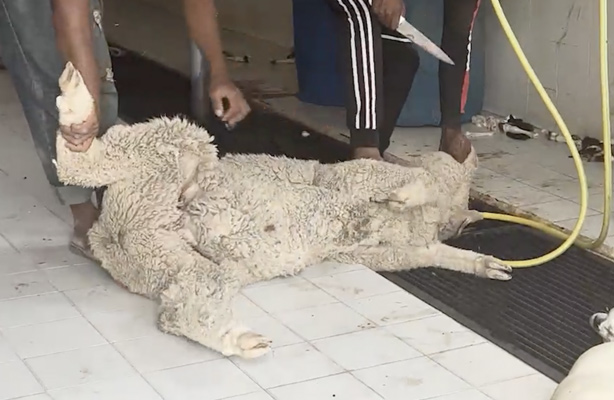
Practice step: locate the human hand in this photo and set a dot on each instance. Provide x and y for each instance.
(389, 12)
(223, 88)
(79, 137)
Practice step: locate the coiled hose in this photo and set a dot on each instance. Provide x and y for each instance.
(569, 240)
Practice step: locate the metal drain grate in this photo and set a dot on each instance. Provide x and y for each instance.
(541, 315)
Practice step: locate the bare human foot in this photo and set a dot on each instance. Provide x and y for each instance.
(455, 143)
(371, 153)
(84, 216)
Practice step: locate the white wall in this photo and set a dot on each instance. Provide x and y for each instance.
(156, 28)
(560, 39)
(269, 20)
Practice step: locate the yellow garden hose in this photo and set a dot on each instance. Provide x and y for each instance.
(605, 106)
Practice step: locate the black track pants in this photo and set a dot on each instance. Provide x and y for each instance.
(379, 67)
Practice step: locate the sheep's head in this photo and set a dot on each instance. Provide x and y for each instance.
(453, 176)
(443, 165)
(603, 324)
(173, 148)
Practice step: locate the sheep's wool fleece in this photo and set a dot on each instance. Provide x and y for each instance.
(190, 230)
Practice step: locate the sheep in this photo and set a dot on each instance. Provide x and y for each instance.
(183, 227)
(592, 376)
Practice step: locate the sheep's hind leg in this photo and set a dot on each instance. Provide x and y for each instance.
(199, 306)
(383, 258)
(75, 102)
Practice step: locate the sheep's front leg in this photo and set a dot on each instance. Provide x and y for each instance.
(198, 305)
(386, 258)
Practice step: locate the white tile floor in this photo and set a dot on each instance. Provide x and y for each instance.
(67, 332)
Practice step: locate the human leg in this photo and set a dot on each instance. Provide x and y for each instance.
(29, 51)
(401, 62)
(361, 62)
(459, 18)
(86, 213)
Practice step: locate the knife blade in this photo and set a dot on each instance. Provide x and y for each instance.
(419, 39)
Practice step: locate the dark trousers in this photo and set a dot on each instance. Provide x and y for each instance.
(379, 67)
(30, 54)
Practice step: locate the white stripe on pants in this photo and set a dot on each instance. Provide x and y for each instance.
(362, 54)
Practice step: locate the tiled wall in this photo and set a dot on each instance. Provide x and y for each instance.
(560, 39)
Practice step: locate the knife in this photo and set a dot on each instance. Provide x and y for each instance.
(409, 31)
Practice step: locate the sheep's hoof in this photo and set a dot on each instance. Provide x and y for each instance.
(246, 344)
(253, 345)
(70, 78)
(470, 217)
(490, 267)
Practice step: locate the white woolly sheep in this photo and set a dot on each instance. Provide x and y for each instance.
(183, 227)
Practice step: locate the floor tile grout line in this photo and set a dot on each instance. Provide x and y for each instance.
(7, 299)
(490, 383)
(25, 364)
(55, 353)
(420, 319)
(536, 373)
(526, 206)
(232, 360)
(65, 266)
(365, 383)
(345, 372)
(44, 271)
(104, 380)
(107, 343)
(294, 309)
(55, 320)
(399, 289)
(276, 317)
(218, 357)
(534, 186)
(337, 335)
(288, 328)
(455, 393)
(38, 201)
(280, 280)
(9, 242)
(42, 323)
(252, 303)
(113, 346)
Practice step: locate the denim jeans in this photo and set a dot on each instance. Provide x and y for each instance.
(29, 52)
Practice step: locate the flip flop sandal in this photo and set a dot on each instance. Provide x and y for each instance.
(82, 250)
